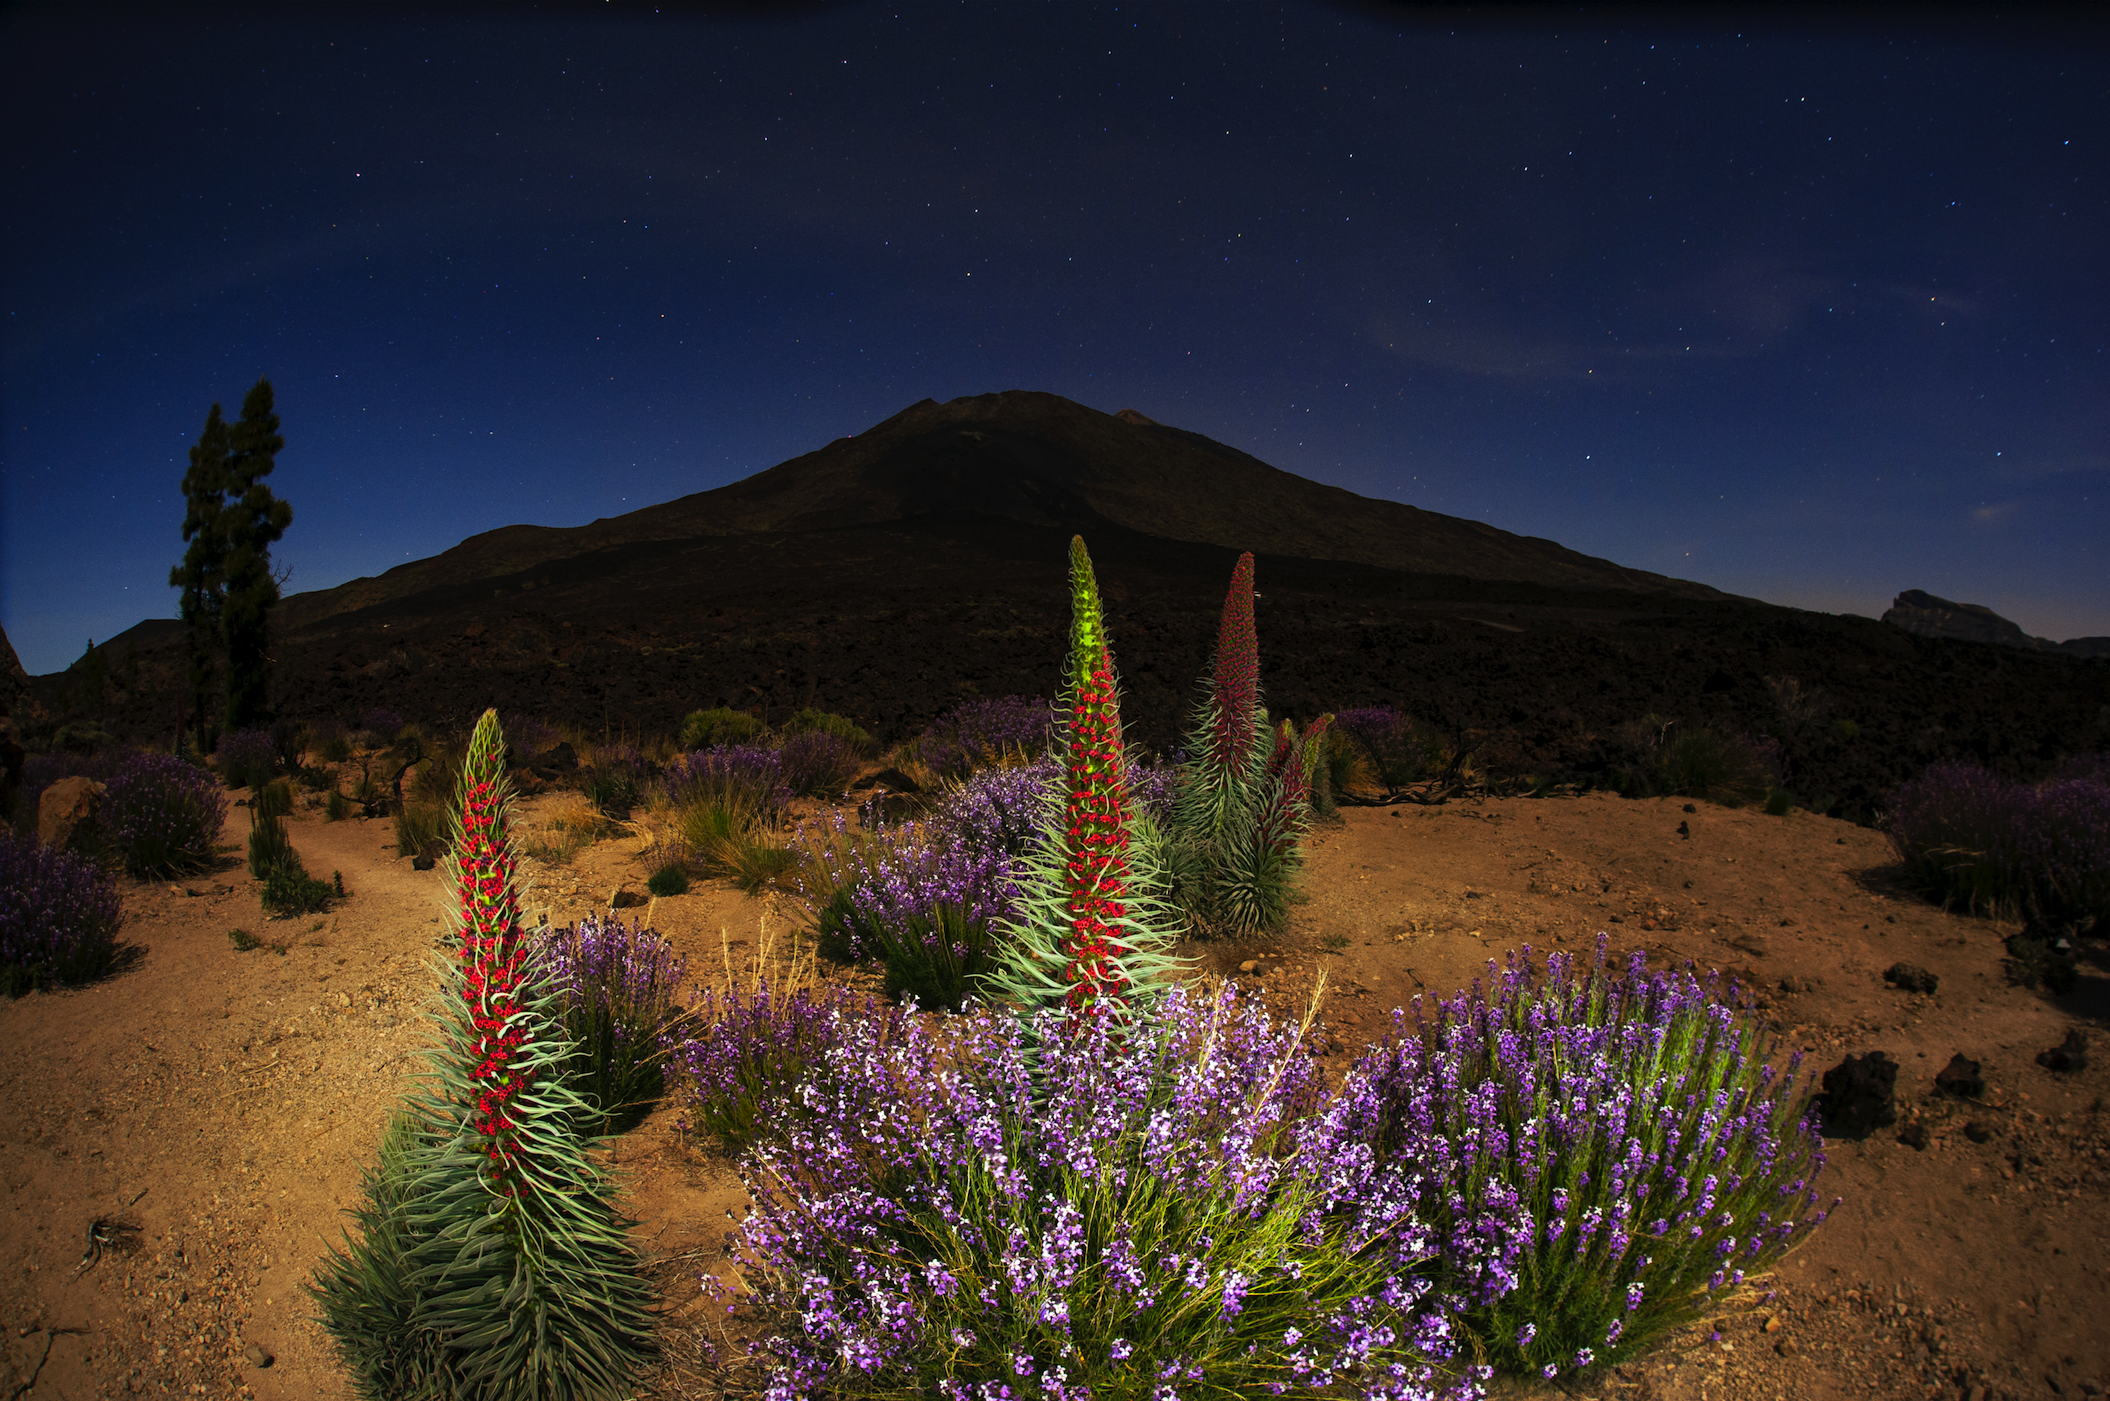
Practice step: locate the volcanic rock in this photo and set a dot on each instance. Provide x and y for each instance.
(1961, 1078)
(1858, 1096)
(1910, 977)
(67, 814)
(2068, 1056)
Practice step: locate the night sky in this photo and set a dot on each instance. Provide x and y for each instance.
(1811, 312)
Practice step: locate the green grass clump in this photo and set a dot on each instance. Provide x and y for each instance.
(846, 730)
(669, 879)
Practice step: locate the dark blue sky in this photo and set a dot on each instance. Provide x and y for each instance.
(1806, 311)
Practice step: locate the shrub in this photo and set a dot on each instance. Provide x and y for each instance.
(1779, 803)
(1701, 763)
(289, 890)
(422, 831)
(1385, 746)
(730, 843)
(1088, 1207)
(747, 1050)
(744, 778)
(164, 816)
(1236, 839)
(709, 729)
(848, 731)
(490, 1261)
(337, 807)
(613, 778)
(381, 725)
(818, 763)
(1600, 1154)
(615, 998)
(59, 916)
(984, 734)
(269, 846)
(528, 737)
(669, 879)
(334, 744)
(247, 758)
(1989, 843)
(1000, 809)
(289, 743)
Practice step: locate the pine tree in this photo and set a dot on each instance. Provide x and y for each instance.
(255, 521)
(202, 576)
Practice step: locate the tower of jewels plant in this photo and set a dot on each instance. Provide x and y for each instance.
(490, 1262)
(1238, 824)
(1092, 930)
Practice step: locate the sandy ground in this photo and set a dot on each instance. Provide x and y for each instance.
(213, 1108)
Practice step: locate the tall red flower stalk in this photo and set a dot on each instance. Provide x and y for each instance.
(492, 954)
(1093, 930)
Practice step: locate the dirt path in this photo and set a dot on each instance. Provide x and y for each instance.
(221, 1104)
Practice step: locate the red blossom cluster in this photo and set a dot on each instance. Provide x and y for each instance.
(1096, 856)
(1237, 679)
(1282, 824)
(492, 953)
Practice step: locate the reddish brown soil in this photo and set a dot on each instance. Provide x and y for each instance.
(222, 1103)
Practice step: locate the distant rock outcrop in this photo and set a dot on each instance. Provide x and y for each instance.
(1916, 610)
(14, 681)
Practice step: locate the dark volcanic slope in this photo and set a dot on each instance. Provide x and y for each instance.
(1026, 458)
(891, 576)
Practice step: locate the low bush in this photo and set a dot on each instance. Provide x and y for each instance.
(744, 778)
(614, 778)
(614, 987)
(332, 742)
(381, 726)
(669, 879)
(423, 831)
(1989, 843)
(1101, 1210)
(1698, 762)
(247, 758)
(819, 763)
(289, 890)
(336, 807)
(848, 731)
(710, 729)
(731, 843)
(1382, 746)
(164, 816)
(1601, 1152)
(984, 734)
(59, 916)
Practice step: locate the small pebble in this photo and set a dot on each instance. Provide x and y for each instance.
(257, 1356)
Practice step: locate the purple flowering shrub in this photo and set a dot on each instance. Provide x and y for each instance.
(984, 734)
(819, 762)
(248, 758)
(1990, 843)
(1040, 1211)
(914, 896)
(739, 1055)
(745, 778)
(615, 997)
(528, 736)
(1598, 1154)
(163, 815)
(59, 916)
(1393, 751)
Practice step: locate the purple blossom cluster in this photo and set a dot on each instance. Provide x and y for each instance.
(897, 878)
(994, 1208)
(163, 815)
(1597, 1152)
(983, 733)
(615, 985)
(1995, 843)
(59, 915)
(248, 758)
(818, 762)
(740, 1056)
(528, 736)
(741, 777)
(1001, 809)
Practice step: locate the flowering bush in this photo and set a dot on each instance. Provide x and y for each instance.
(59, 916)
(1083, 1207)
(615, 998)
(490, 1261)
(817, 762)
(984, 734)
(746, 778)
(742, 1054)
(163, 815)
(1391, 749)
(248, 758)
(1598, 1153)
(1987, 842)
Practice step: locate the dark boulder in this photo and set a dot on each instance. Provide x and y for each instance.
(1960, 1078)
(1910, 977)
(1858, 1097)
